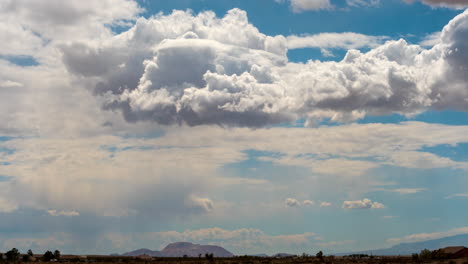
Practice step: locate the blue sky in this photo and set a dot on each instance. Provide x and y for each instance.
(262, 126)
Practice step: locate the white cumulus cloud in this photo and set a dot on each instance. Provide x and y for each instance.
(362, 204)
(194, 73)
(291, 202)
(308, 203)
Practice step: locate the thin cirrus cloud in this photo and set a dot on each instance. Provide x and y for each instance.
(362, 3)
(429, 236)
(246, 80)
(459, 4)
(299, 6)
(408, 190)
(63, 213)
(457, 195)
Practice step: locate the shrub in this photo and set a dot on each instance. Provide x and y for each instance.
(13, 255)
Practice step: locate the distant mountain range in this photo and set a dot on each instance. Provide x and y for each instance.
(180, 249)
(416, 247)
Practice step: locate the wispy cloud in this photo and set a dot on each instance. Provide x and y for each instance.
(408, 190)
(347, 40)
(458, 4)
(457, 195)
(63, 213)
(428, 236)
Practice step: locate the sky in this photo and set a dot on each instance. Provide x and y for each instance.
(262, 126)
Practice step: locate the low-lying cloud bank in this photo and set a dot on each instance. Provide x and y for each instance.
(191, 69)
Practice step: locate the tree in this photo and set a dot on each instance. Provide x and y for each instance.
(425, 254)
(57, 254)
(319, 255)
(30, 253)
(13, 255)
(209, 256)
(48, 256)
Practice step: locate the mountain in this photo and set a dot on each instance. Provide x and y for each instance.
(143, 251)
(180, 249)
(193, 250)
(416, 247)
(283, 255)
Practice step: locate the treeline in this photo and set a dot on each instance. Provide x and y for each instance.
(426, 254)
(14, 255)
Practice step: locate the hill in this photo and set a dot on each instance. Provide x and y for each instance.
(180, 249)
(416, 247)
(143, 251)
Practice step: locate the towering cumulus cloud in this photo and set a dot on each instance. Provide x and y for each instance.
(191, 69)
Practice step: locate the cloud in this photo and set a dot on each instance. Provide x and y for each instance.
(408, 190)
(309, 5)
(325, 204)
(242, 79)
(204, 204)
(136, 175)
(459, 4)
(63, 213)
(291, 202)
(7, 206)
(429, 236)
(133, 181)
(389, 217)
(332, 244)
(56, 19)
(346, 40)
(38, 244)
(198, 75)
(362, 204)
(362, 3)
(10, 84)
(431, 40)
(457, 195)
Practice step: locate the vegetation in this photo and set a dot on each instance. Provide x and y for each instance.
(425, 256)
(13, 255)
